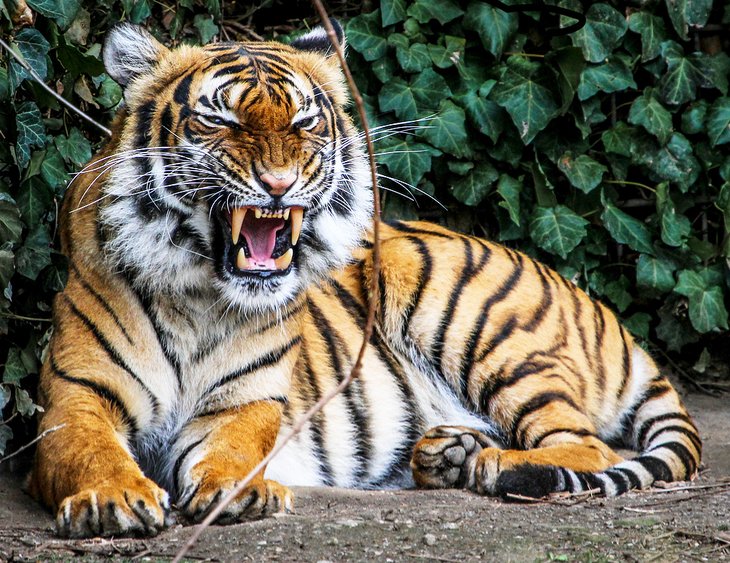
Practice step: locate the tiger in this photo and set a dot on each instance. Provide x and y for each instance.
(221, 257)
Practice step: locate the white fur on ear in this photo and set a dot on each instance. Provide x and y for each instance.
(318, 41)
(130, 51)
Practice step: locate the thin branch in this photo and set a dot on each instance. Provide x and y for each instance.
(50, 90)
(372, 304)
(29, 444)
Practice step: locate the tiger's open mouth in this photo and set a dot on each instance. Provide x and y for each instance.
(263, 240)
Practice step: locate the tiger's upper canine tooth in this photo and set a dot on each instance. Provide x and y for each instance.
(297, 213)
(283, 261)
(257, 211)
(241, 260)
(237, 216)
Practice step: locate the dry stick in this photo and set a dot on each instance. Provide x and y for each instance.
(372, 306)
(29, 444)
(50, 90)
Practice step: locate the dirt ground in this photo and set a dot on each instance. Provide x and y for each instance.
(691, 523)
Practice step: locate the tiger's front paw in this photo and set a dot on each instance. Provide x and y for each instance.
(129, 506)
(260, 498)
(446, 456)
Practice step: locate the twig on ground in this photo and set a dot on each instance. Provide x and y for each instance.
(33, 441)
(51, 91)
(561, 499)
(372, 304)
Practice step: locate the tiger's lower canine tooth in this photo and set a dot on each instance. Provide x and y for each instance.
(241, 260)
(297, 213)
(283, 261)
(237, 216)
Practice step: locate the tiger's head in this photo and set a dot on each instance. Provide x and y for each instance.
(236, 167)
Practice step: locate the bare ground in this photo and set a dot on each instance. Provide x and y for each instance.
(689, 523)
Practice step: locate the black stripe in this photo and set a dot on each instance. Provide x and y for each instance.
(546, 300)
(423, 279)
(268, 359)
(657, 467)
(316, 423)
(535, 443)
(680, 450)
(112, 352)
(504, 333)
(625, 364)
(103, 392)
(358, 415)
(634, 480)
(599, 335)
(654, 392)
(182, 90)
(566, 476)
(178, 464)
(405, 228)
(536, 403)
(690, 433)
(619, 479)
(103, 302)
(649, 422)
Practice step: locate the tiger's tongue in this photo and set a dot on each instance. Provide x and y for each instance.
(260, 235)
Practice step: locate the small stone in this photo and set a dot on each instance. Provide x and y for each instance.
(429, 539)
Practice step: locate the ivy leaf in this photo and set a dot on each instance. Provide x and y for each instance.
(605, 27)
(447, 131)
(75, 148)
(414, 58)
(34, 200)
(110, 93)
(494, 26)
(638, 324)
(7, 266)
(408, 162)
(675, 229)
(14, 370)
(445, 56)
(583, 172)
(35, 253)
(23, 403)
(475, 186)
(684, 74)
(487, 116)
(706, 303)
(10, 224)
(398, 96)
(63, 12)
(683, 13)
(441, 10)
(429, 87)
(625, 229)
(676, 162)
(619, 139)
(611, 76)
(617, 292)
(652, 31)
(510, 189)
(718, 122)
(557, 229)
(206, 27)
(31, 131)
(34, 48)
(673, 331)
(693, 118)
(392, 11)
(652, 116)
(53, 170)
(655, 273)
(529, 103)
(363, 34)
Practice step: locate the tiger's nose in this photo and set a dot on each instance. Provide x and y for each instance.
(278, 184)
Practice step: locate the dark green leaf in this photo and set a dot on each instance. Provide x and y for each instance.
(674, 331)
(530, 104)
(605, 27)
(110, 93)
(583, 172)
(407, 162)
(392, 11)
(35, 253)
(619, 139)
(75, 148)
(557, 229)
(364, 35)
(693, 118)
(441, 10)
(718, 122)
(14, 370)
(10, 224)
(414, 58)
(487, 116)
(206, 28)
(398, 96)
(683, 13)
(448, 55)
(652, 116)
(447, 131)
(626, 229)
(609, 77)
(510, 190)
(34, 48)
(707, 310)
(655, 273)
(675, 227)
(429, 88)
(7, 266)
(652, 31)
(53, 170)
(494, 26)
(62, 11)
(34, 199)
(638, 324)
(31, 132)
(476, 185)
(676, 162)
(23, 403)
(617, 292)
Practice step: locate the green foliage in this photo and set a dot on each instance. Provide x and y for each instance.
(603, 153)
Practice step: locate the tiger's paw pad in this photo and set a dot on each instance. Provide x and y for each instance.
(445, 457)
(259, 499)
(136, 507)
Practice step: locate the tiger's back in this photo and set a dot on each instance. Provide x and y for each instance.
(220, 266)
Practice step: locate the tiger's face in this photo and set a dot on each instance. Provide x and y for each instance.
(237, 167)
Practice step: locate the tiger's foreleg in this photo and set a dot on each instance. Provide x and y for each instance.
(85, 473)
(219, 450)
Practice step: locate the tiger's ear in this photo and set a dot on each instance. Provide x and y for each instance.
(318, 41)
(130, 51)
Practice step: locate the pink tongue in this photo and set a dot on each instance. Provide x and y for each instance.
(260, 237)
